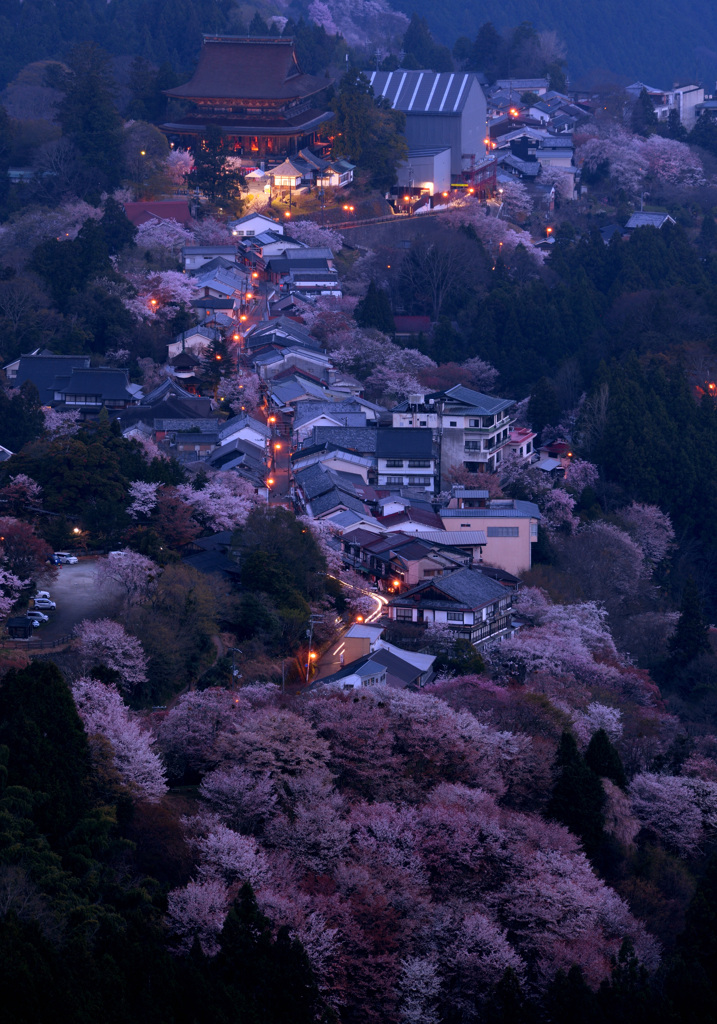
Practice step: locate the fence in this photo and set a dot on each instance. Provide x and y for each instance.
(33, 644)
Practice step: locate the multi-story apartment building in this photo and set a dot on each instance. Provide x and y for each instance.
(472, 430)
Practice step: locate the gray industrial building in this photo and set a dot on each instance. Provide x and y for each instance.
(443, 109)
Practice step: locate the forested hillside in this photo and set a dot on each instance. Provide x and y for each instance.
(637, 39)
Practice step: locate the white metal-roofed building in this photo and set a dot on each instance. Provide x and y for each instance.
(443, 109)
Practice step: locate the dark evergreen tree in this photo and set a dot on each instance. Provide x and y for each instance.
(627, 998)
(704, 134)
(707, 238)
(643, 119)
(570, 999)
(257, 26)
(691, 634)
(602, 757)
(374, 310)
(690, 985)
(87, 111)
(543, 407)
(117, 228)
(220, 182)
(421, 49)
(675, 128)
(366, 130)
(49, 753)
(578, 798)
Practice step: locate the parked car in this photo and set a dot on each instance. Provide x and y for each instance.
(65, 558)
(53, 560)
(45, 603)
(42, 593)
(37, 615)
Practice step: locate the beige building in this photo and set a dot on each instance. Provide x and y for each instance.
(510, 526)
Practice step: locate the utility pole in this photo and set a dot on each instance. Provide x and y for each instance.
(313, 619)
(235, 650)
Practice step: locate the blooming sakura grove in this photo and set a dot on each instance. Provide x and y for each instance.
(303, 801)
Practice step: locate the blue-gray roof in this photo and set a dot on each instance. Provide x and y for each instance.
(517, 510)
(484, 405)
(404, 442)
(423, 92)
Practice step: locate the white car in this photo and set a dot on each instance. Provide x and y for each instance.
(38, 616)
(65, 558)
(42, 593)
(45, 603)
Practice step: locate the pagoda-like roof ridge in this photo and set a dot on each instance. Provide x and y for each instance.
(248, 68)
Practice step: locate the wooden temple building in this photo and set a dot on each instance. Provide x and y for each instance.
(254, 90)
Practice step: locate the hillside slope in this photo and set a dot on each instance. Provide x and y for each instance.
(655, 41)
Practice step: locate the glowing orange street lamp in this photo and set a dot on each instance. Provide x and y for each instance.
(255, 275)
(243, 316)
(270, 481)
(277, 447)
(286, 213)
(153, 302)
(217, 356)
(359, 618)
(548, 232)
(313, 655)
(249, 295)
(406, 199)
(236, 337)
(272, 419)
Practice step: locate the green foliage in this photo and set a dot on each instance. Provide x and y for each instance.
(21, 418)
(366, 130)
(259, 977)
(421, 49)
(87, 111)
(643, 119)
(374, 310)
(220, 182)
(462, 660)
(49, 754)
(578, 798)
(543, 408)
(603, 758)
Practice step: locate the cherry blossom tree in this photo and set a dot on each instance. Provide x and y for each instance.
(312, 234)
(179, 163)
(163, 238)
(562, 181)
(131, 572)
(240, 798)
(105, 642)
(517, 201)
(197, 912)
(650, 528)
(210, 231)
(580, 474)
(418, 987)
(144, 498)
(499, 238)
(20, 493)
(633, 160)
(241, 391)
(103, 711)
(479, 374)
(597, 716)
(160, 296)
(188, 735)
(61, 424)
(10, 588)
(397, 374)
(667, 806)
(224, 503)
(230, 856)
(556, 508)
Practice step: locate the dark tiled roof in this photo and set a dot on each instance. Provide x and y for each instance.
(486, 405)
(404, 442)
(353, 439)
(413, 515)
(42, 371)
(467, 587)
(239, 68)
(108, 383)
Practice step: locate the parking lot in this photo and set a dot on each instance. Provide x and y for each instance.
(77, 595)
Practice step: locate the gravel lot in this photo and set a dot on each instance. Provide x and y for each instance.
(78, 597)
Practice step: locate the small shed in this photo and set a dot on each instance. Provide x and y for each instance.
(20, 627)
